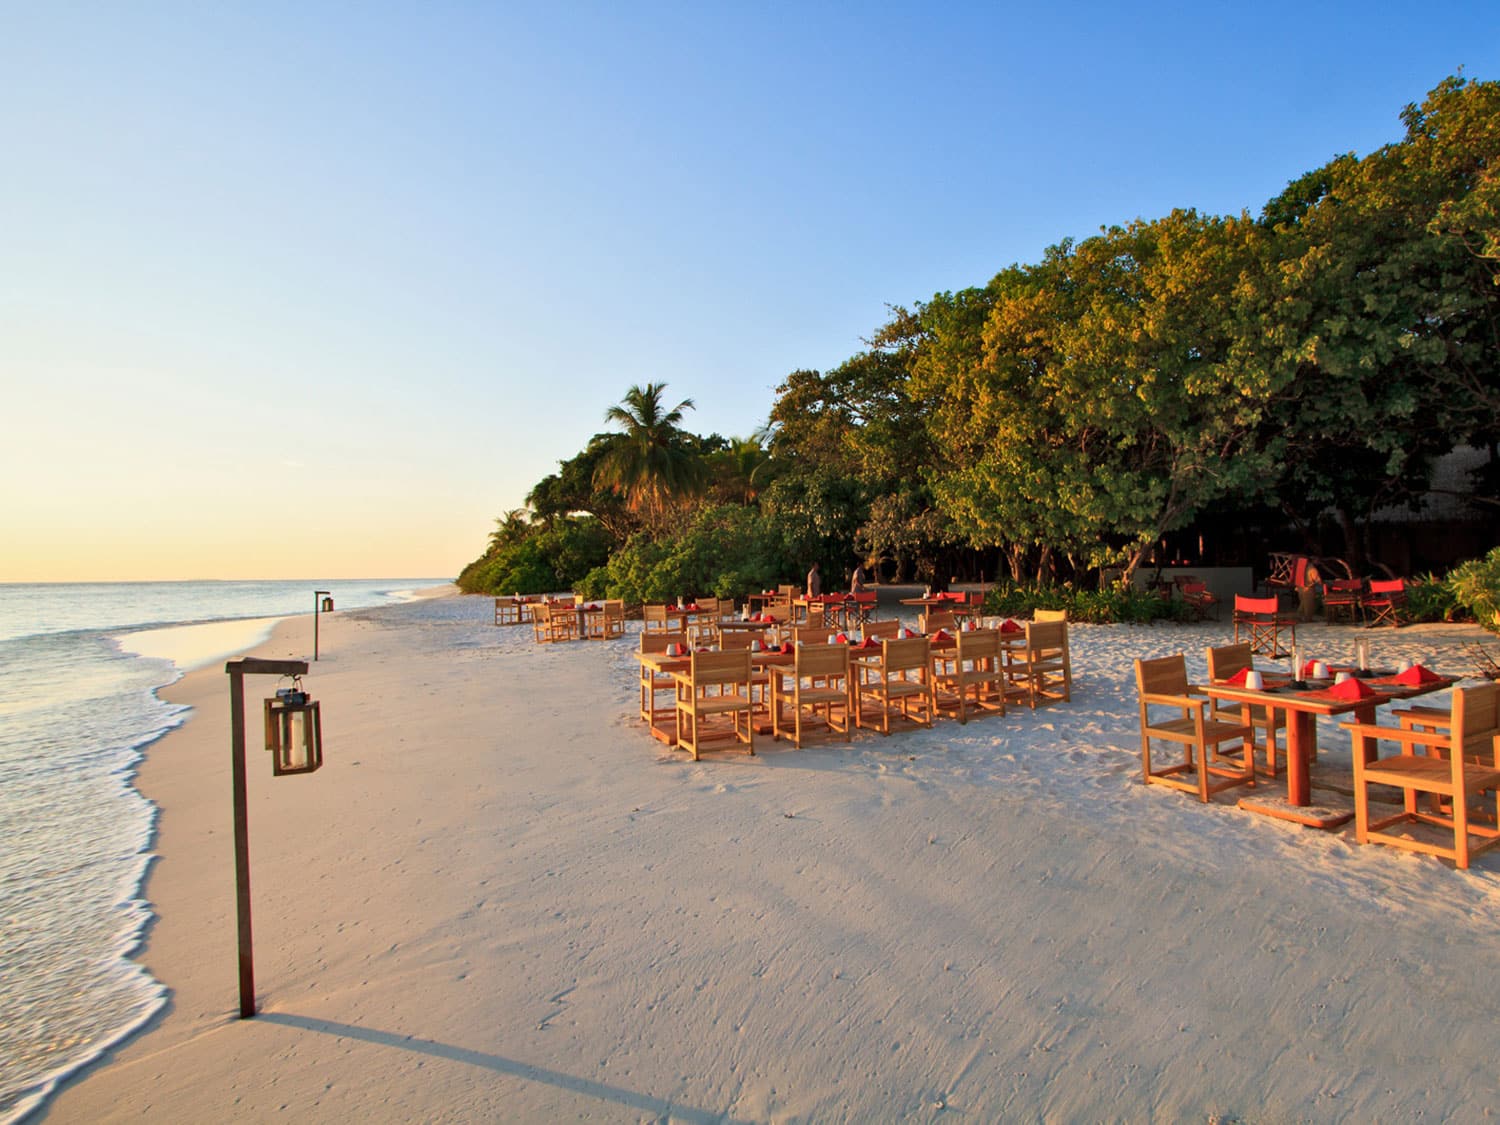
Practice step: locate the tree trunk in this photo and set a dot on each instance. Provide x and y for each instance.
(1354, 549)
(1015, 557)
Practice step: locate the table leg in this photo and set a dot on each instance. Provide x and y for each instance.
(1299, 736)
(1366, 747)
(1297, 805)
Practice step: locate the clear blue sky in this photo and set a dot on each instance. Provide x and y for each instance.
(322, 288)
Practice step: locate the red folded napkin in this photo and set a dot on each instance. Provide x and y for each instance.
(691, 608)
(1009, 626)
(1239, 678)
(941, 635)
(786, 646)
(841, 639)
(868, 642)
(1416, 676)
(1351, 689)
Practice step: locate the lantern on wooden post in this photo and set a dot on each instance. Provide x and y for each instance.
(322, 603)
(294, 731)
(294, 734)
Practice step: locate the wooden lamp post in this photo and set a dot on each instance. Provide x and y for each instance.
(322, 603)
(294, 734)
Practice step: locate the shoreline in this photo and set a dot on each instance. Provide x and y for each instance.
(500, 896)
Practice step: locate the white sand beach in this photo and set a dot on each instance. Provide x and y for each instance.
(500, 899)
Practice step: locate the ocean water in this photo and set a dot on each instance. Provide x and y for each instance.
(79, 668)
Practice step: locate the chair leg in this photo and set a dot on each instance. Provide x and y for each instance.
(1460, 829)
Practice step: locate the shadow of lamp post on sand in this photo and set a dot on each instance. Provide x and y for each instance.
(294, 736)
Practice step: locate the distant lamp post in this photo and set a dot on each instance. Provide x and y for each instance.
(294, 734)
(322, 603)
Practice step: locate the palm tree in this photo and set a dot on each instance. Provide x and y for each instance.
(741, 471)
(648, 462)
(510, 529)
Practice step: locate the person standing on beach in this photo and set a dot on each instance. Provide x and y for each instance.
(814, 582)
(857, 581)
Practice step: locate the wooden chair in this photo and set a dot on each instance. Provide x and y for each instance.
(716, 687)
(541, 622)
(1341, 596)
(898, 682)
(654, 618)
(1199, 600)
(1043, 668)
(818, 684)
(1264, 625)
(1288, 572)
(888, 630)
(817, 616)
(507, 611)
(562, 621)
(653, 685)
(704, 627)
(973, 677)
(935, 619)
(835, 613)
(1163, 683)
(781, 614)
(738, 640)
(1459, 767)
(1384, 603)
(859, 608)
(1224, 662)
(606, 622)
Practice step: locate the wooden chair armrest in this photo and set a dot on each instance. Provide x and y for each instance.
(1183, 701)
(1397, 734)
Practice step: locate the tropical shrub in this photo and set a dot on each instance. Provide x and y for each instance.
(1121, 604)
(1475, 585)
(517, 568)
(1431, 598)
(538, 560)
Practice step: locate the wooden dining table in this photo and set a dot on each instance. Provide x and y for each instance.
(1302, 706)
(933, 602)
(663, 664)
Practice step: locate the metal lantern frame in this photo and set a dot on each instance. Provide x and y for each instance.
(294, 731)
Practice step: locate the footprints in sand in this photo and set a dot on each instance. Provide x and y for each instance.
(561, 1000)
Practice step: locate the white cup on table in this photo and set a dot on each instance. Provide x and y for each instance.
(1319, 670)
(1254, 680)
